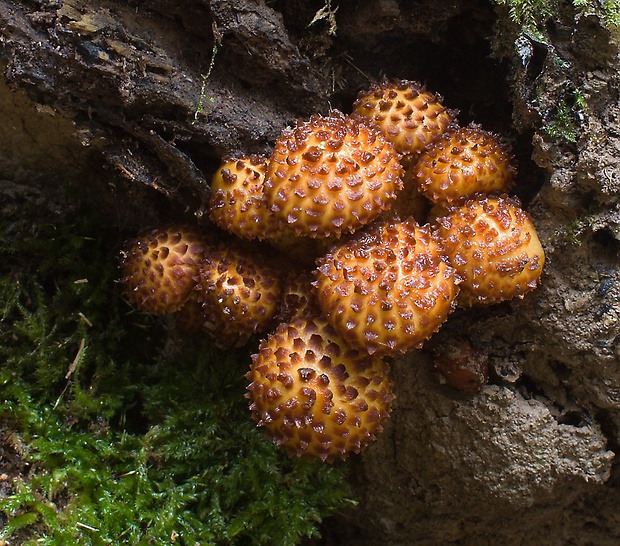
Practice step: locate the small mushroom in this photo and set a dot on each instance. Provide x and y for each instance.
(158, 267)
(408, 114)
(464, 161)
(315, 396)
(239, 292)
(331, 175)
(237, 203)
(493, 245)
(388, 289)
(462, 367)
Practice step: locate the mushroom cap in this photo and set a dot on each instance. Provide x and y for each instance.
(493, 245)
(237, 203)
(408, 114)
(315, 396)
(158, 267)
(388, 289)
(331, 175)
(239, 292)
(461, 366)
(464, 161)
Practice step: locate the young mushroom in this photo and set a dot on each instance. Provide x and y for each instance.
(464, 161)
(158, 267)
(461, 366)
(315, 396)
(493, 245)
(387, 289)
(408, 114)
(237, 203)
(331, 175)
(239, 292)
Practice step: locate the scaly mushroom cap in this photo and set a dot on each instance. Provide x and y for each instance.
(464, 161)
(388, 289)
(239, 293)
(315, 396)
(493, 245)
(158, 267)
(237, 203)
(407, 114)
(331, 175)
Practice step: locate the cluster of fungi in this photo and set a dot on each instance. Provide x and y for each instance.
(352, 243)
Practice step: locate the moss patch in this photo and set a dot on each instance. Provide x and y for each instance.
(130, 433)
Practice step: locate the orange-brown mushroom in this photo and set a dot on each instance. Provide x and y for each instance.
(408, 114)
(237, 203)
(159, 266)
(464, 161)
(388, 289)
(493, 245)
(315, 396)
(331, 175)
(239, 292)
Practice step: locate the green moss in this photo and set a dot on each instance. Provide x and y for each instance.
(562, 126)
(132, 435)
(531, 15)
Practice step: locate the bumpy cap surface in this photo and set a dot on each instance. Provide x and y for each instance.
(158, 267)
(388, 289)
(237, 203)
(464, 161)
(298, 296)
(316, 397)
(239, 292)
(331, 175)
(494, 247)
(408, 115)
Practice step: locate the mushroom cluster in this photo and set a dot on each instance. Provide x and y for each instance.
(389, 218)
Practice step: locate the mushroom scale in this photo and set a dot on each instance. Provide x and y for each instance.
(315, 396)
(331, 175)
(158, 267)
(493, 245)
(387, 289)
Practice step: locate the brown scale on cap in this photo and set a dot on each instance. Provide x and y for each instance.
(331, 175)
(388, 289)
(159, 266)
(298, 296)
(239, 293)
(237, 203)
(315, 396)
(407, 114)
(494, 247)
(464, 161)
